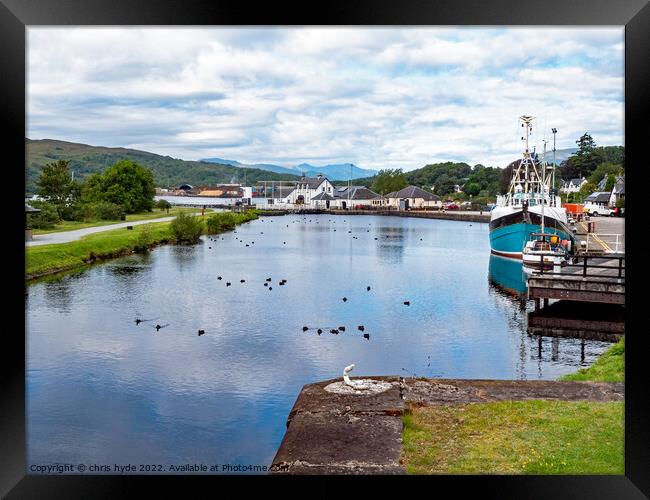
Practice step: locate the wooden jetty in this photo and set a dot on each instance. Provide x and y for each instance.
(593, 277)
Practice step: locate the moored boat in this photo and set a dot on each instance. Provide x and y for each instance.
(529, 207)
(545, 252)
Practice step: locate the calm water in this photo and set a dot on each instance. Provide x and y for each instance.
(103, 390)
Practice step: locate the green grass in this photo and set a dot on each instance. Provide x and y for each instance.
(46, 259)
(58, 257)
(155, 214)
(522, 437)
(515, 437)
(609, 367)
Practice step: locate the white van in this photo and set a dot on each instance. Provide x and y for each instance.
(596, 210)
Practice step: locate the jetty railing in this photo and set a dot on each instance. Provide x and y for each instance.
(584, 268)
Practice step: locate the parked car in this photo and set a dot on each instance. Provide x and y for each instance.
(596, 210)
(452, 206)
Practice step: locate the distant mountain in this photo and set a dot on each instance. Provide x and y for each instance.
(333, 172)
(560, 155)
(168, 172)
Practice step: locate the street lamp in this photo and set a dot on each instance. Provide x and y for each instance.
(554, 130)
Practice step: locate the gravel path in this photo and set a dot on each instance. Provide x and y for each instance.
(67, 236)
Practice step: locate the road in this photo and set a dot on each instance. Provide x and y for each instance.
(606, 231)
(68, 236)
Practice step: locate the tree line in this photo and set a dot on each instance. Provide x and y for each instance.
(482, 183)
(124, 188)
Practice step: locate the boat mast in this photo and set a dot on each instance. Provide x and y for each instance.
(554, 130)
(543, 184)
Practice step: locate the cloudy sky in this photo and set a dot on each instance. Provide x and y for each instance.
(376, 97)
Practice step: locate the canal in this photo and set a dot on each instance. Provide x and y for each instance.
(104, 390)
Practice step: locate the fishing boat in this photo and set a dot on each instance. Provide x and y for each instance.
(530, 205)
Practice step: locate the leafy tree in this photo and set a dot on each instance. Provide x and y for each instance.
(611, 180)
(585, 161)
(586, 145)
(586, 190)
(389, 180)
(126, 183)
(603, 170)
(163, 205)
(445, 185)
(103, 210)
(55, 183)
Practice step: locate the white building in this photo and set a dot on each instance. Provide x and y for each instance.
(357, 197)
(413, 197)
(573, 185)
(309, 187)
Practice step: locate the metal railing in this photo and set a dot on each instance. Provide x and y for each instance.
(585, 267)
(608, 243)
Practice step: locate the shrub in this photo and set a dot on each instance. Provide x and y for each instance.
(145, 238)
(103, 210)
(186, 228)
(222, 221)
(75, 212)
(46, 218)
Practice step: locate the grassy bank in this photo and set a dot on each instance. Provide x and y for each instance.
(609, 367)
(154, 214)
(522, 437)
(516, 437)
(47, 259)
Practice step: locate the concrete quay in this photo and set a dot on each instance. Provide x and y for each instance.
(361, 433)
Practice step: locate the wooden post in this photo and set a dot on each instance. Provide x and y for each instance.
(584, 266)
(545, 302)
(620, 267)
(536, 305)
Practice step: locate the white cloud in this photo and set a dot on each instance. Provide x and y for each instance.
(378, 97)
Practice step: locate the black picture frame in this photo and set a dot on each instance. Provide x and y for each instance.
(15, 15)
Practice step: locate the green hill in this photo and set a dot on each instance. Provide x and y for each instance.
(168, 171)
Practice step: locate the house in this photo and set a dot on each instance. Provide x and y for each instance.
(413, 197)
(573, 185)
(357, 197)
(279, 195)
(618, 191)
(599, 198)
(308, 187)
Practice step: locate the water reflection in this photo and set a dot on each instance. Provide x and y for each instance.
(107, 390)
(508, 275)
